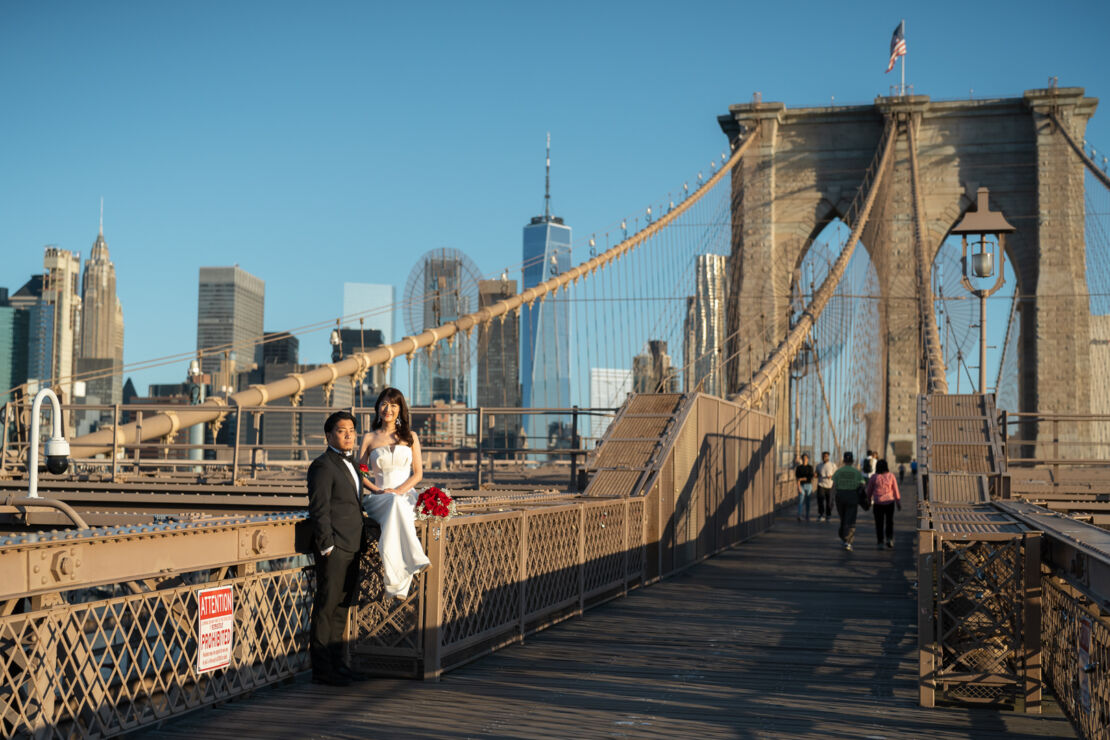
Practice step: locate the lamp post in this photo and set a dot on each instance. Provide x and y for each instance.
(988, 231)
(197, 386)
(57, 449)
(799, 368)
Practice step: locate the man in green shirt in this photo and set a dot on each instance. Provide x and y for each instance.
(847, 481)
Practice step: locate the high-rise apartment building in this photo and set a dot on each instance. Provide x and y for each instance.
(100, 357)
(499, 366)
(545, 325)
(704, 328)
(230, 305)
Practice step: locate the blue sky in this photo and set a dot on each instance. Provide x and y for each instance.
(319, 143)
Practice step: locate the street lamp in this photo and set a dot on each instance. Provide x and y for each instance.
(57, 449)
(799, 368)
(197, 387)
(987, 229)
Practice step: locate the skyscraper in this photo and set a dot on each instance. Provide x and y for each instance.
(100, 357)
(54, 322)
(545, 326)
(442, 283)
(14, 323)
(280, 347)
(652, 371)
(230, 305)
(705, 326)
(499, 365)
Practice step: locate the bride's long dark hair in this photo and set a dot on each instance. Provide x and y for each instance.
(404, 428)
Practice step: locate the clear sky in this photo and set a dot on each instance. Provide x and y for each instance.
(317, 143)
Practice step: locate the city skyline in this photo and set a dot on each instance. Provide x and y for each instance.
(307, 166)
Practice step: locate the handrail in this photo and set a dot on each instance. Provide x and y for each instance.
(212, 409)
(62, 506)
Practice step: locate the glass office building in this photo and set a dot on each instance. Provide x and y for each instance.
(14, 340)
(545, 345)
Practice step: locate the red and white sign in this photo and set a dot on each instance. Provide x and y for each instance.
(215, 628)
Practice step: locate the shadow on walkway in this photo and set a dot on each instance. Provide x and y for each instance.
(784, 636)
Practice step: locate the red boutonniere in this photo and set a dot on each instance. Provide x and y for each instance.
(364, 469)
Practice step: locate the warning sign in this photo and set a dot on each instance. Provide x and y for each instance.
(215, 628)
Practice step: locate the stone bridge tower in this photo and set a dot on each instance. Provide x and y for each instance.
(805, 169)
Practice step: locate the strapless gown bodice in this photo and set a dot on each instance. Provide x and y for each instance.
(391, 465)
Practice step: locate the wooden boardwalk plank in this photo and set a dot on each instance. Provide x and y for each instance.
(786, 636)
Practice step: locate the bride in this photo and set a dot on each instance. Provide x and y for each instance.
(392, 453)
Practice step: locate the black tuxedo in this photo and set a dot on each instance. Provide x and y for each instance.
(335, 512)
(334, 504)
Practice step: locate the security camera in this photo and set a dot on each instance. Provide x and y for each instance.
(57, 455)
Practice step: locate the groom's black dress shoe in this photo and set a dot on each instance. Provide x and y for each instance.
(331, 679)
(351, 674)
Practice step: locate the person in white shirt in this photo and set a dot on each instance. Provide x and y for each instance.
(825, 488)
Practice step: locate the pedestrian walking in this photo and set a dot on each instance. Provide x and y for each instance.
(848, 481)
(901, 472)
(882, 490)
(803, 476)
(913, 469)
(868, 465)
(825, 473)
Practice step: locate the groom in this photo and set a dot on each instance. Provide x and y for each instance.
(335, 513)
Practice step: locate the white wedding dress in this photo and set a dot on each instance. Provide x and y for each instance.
(401, 553)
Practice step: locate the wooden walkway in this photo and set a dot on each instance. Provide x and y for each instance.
(785, 636)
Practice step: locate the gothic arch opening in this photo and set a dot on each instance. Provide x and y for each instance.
(837, 387)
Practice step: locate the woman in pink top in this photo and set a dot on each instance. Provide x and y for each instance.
(882, 490)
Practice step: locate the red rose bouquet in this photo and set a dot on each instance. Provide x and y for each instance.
(434, 502)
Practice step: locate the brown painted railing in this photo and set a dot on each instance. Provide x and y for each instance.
(1077, 655)
(98, 629)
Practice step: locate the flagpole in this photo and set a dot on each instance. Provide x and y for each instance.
(903, 59)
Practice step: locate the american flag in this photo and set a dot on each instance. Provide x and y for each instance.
(897, 44)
